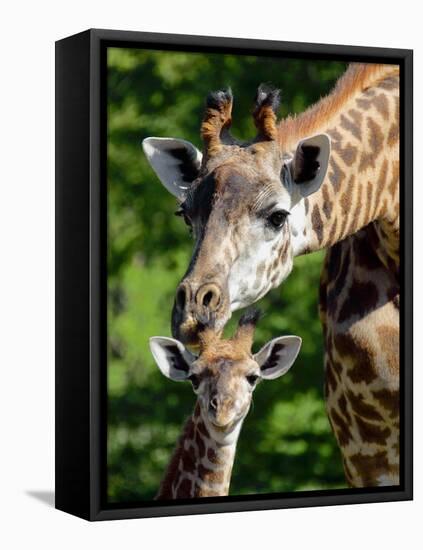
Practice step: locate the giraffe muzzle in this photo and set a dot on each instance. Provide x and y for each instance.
(190, 306)
(221, 412)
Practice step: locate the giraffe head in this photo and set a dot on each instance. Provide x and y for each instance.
(239, 200)
(225, 373)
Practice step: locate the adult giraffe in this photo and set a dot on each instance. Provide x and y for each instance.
(255, 206)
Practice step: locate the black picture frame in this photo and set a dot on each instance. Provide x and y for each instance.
(81, 274)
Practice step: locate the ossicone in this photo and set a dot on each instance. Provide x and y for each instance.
(246, 328)
(266, 107)
(217, 121)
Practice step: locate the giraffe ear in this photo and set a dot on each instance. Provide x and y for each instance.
(310, 163)
(176, 163)
(172, 358)
(277, 356)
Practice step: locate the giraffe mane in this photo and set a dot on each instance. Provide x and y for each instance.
(357, 78)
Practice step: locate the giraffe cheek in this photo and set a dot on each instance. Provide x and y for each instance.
(243, 405)
(242, 289)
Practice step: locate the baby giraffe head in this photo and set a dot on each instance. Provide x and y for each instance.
(225, 373)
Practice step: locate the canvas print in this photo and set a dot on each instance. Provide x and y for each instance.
(253, 275)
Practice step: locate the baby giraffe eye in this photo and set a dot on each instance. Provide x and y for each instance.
(195, 380)
(278, 218)
(252, 379)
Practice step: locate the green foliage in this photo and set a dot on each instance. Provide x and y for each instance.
(286, 443)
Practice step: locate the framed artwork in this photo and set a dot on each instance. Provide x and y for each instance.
(251, 351)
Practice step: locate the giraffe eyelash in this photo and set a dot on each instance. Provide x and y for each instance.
(271, 209)
(277, 219)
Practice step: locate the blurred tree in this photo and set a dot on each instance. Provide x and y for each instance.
(286, 443)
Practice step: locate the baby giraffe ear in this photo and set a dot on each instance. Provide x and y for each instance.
(310, 163)
(172, 358)
(176, 162)
(277, 356)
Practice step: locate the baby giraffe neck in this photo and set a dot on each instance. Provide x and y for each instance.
(200, 465)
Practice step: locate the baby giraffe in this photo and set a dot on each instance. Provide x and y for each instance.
(223, 376)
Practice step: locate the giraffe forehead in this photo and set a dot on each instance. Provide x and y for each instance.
(234, 188)
(226, 366)
(253, 155)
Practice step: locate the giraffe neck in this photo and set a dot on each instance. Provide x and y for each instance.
(362, 183)
(200, 465)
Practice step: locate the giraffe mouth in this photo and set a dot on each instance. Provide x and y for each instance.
(220, 427)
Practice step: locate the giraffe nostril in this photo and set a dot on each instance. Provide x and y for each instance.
(181, 297)
(213, 403)
(209, 296)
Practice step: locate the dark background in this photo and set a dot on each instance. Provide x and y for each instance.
(286, 443)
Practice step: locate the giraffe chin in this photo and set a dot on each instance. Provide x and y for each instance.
(222, 422)
(225, 434)
(223, 427)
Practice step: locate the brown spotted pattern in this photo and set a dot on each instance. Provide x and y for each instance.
(360, 325)
(201, 464)
(355, 215)
(359, 294)
(362, 185)
(199, 467)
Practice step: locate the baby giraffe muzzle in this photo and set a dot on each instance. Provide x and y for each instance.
(223, 376)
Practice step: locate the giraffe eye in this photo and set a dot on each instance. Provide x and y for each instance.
(252, 379)
(278, 218)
